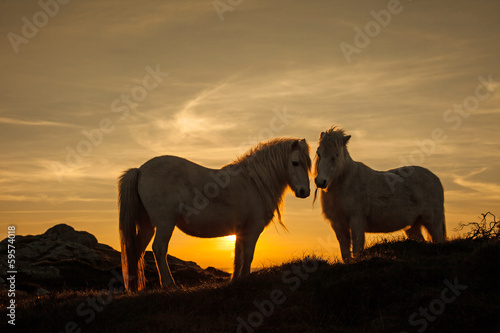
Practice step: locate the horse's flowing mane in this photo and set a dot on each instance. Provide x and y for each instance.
(266, 165)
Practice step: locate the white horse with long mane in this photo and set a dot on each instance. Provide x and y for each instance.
(239, 199)
(357, 199)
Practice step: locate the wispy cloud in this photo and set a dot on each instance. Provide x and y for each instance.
(486, 189)
(21, 122)
(50, 199)
(201, 97)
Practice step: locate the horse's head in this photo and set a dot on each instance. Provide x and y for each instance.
(330, 156)
(299, 167)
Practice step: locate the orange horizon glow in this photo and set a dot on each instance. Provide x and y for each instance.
(275, 245)
(85, 99)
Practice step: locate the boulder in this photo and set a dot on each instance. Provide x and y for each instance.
(66, 233)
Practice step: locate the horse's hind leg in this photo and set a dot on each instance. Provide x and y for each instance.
(415, 232)
(160, 246)
(145, 232)
(436, 227)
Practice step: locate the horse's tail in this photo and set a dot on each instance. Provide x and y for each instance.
(444, 227)
(132, 213)
(442, 217)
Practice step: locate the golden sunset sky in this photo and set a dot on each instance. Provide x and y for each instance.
(91, 88)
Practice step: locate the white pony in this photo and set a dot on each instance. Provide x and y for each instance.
(357, 199)
(239, 199)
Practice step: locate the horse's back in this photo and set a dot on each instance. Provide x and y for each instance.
(167, 176)
(168, 164)
(420, 180)
(173, 170)
(419, 190)
(399, 197)
(209, 198)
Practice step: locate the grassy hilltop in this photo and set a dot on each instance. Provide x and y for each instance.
(399, 286)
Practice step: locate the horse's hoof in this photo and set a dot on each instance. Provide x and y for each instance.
(170, 287)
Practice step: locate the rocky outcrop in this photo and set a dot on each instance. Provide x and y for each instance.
(63, 258)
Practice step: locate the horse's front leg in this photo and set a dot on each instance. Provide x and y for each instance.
(358, 228)
(238, 258)
(248, 242)
(343, 234)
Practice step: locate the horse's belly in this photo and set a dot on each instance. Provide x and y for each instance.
(205, 229)
(385, 228)
(389, 222)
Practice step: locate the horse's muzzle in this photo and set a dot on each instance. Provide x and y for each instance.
(302, 193)
(320, 183)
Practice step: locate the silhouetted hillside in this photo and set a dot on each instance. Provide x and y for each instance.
(395, 287)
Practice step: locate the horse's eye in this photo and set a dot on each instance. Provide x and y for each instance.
(295, 163)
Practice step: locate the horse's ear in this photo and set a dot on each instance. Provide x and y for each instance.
(295, 145)
(321, 135)
(346, 138)
(304, 144)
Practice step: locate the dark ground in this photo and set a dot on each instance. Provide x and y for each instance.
(394, 287)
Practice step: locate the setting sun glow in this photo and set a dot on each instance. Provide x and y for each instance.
(227, 242)
(230, 238)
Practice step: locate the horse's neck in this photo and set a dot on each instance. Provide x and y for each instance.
(348, 167)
